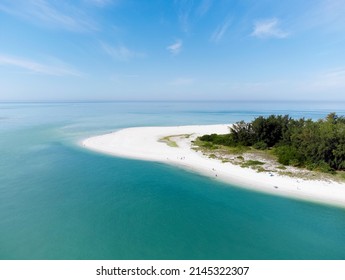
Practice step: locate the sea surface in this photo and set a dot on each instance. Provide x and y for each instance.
(61, 201)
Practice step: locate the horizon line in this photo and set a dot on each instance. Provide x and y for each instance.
(163, 100)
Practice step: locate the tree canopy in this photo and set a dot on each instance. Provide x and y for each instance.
(299, 142)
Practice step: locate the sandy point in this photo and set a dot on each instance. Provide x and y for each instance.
(145, 143)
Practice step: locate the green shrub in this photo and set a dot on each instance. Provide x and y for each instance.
(260, 145)
(310, 165)
(295, 162)
(217, 139)
(286, 155)
(324, 167)
(254, 162)
(261, 169)
(207, 145)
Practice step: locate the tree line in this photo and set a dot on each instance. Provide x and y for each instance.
(317, 145)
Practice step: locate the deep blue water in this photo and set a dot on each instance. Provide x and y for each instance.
(60, 201)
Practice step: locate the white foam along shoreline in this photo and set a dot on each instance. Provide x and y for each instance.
(144, 143)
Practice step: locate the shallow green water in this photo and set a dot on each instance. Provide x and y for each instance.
(59, 201)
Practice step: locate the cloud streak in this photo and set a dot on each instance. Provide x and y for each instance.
(220, 31)
(56, 14)
(204, 7)
(185, 8)
(190, 11)
(176, 47)
(121, 52)
(328, 14)
(268, 28)
(57, 69)
(99, 3)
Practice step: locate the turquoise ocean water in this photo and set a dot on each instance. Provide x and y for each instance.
(60, 201)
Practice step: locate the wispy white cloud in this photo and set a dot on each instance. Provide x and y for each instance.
(189, 12)
(185, 8)
(100, 3)
(328, 13)
(268, 28)
(204, 7)
(182, 81)
(58, 68)
(121, 52)
(220, 31)
(176, 47)
(53, 13)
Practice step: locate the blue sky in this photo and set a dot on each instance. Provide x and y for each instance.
(172, 49)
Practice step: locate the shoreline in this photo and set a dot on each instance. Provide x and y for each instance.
(145, 143)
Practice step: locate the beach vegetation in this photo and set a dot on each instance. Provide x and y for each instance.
(341, 175)
(254, 162)
(261, 145)
(250, 163)
(237, 149)
(315, 145)
(261, 169)
(167, 140)
(170, 140)
(281, 167)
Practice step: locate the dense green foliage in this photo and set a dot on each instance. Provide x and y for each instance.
(317, 145)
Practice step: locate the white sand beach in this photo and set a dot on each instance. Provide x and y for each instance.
(144, 143)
